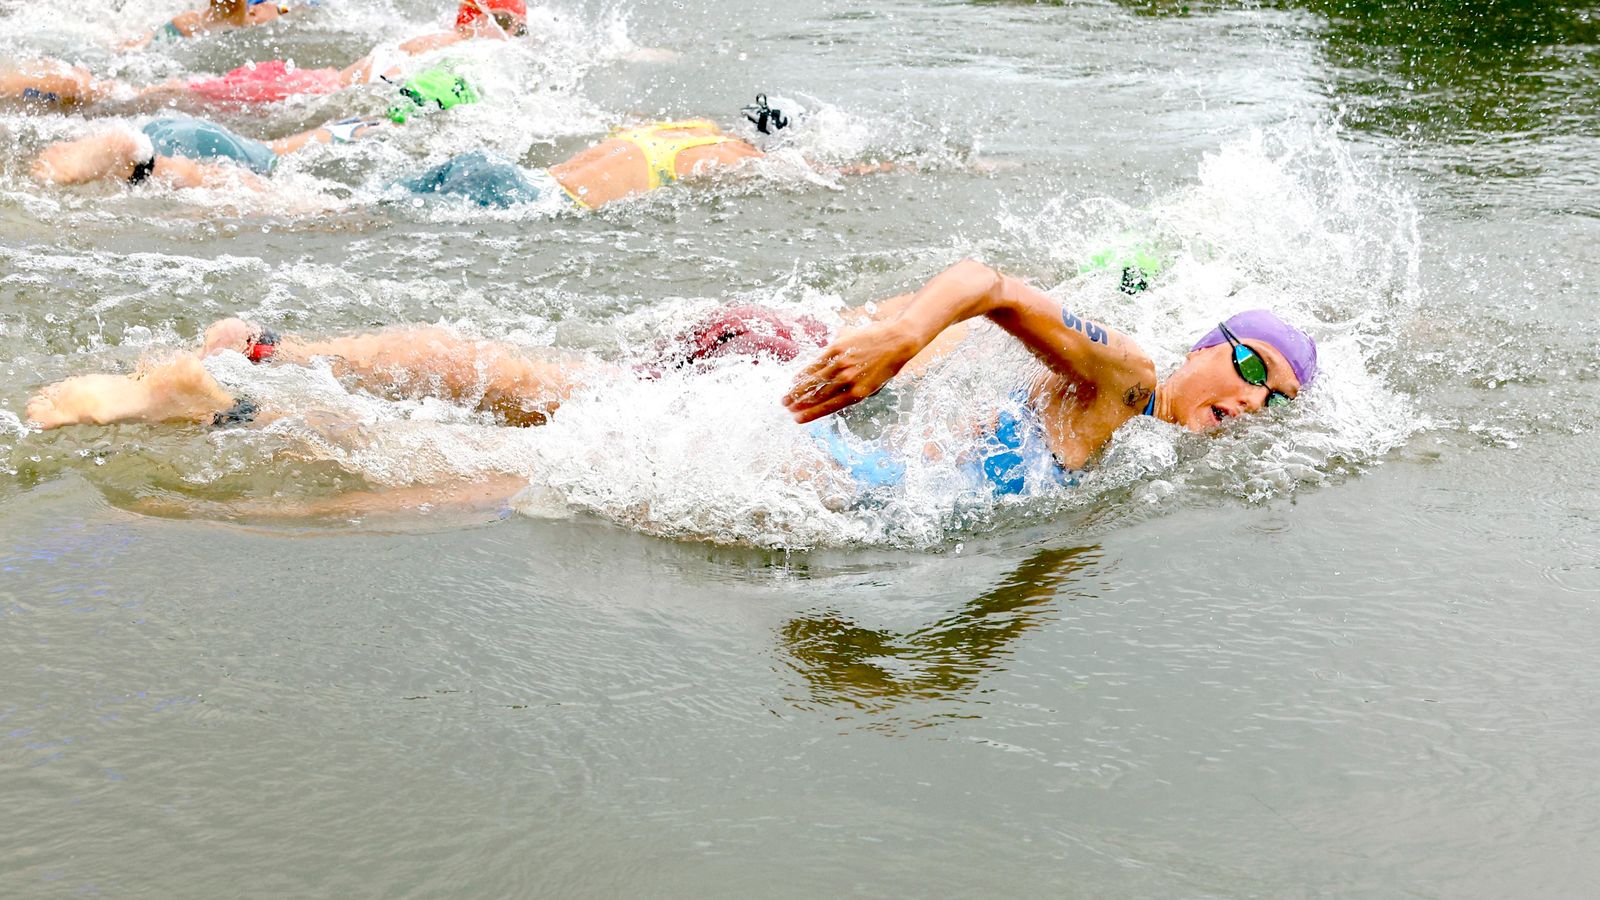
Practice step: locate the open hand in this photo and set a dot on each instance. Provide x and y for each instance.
(851, 369)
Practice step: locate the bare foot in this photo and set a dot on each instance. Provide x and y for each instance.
(177, 391)
(108, 154)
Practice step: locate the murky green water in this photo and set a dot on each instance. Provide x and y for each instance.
(1348, 652)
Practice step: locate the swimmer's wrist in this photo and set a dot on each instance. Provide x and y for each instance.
(911, 342)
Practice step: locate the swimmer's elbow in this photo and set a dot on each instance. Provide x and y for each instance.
(971, 268)
(983, 282)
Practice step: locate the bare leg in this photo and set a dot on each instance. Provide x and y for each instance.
(180, 390)
(431, 362)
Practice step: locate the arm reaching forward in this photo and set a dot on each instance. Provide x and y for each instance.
(1082, 356)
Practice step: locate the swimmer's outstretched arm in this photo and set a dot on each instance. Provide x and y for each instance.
(493, 376)
(331, 133)
(1084, 356)
(360, 71)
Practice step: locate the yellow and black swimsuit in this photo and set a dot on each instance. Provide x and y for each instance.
(661, 149)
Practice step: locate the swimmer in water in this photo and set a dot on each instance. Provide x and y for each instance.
(183, 151)
(631, 161)
(219, 15)
(54, 83)
(1095, 378)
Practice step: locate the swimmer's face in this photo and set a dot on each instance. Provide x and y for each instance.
(1207, 391)
(262, 13)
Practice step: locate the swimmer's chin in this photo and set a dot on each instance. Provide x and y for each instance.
(1208, 419)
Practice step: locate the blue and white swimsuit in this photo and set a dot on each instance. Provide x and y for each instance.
(1015, 448)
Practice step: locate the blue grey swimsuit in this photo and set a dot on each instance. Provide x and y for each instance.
(206, 141)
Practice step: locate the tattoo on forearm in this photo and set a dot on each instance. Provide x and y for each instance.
(1089, 329)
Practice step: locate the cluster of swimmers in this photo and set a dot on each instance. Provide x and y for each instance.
(186, 151)
(1092, 381)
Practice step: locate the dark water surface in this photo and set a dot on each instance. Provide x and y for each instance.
(1346, 652)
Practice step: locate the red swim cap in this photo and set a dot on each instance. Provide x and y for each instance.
(750, 331)
(472, 10)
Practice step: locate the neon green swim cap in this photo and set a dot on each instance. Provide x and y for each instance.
(1138, 259)
(437, 85)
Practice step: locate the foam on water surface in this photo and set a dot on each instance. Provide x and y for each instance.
(1288, 222)
(1287, 218)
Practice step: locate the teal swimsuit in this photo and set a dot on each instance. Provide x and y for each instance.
(198, 139)
(479, 178)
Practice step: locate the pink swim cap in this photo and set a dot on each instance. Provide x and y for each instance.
(1264, 325)
(748, 330)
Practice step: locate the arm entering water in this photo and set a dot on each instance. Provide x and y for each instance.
(1084, 355)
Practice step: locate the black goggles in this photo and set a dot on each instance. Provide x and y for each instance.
(1251, 367)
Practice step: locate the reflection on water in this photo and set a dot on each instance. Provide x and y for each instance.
(1486, 78)
(1456, 70)
(876, 670)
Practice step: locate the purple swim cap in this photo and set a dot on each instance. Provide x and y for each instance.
(1264, 325)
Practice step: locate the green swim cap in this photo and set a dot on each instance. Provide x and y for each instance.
(437, 85)
(1136, 258)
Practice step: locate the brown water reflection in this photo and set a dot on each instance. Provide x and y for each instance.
(1447, 70)
(877, 670)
